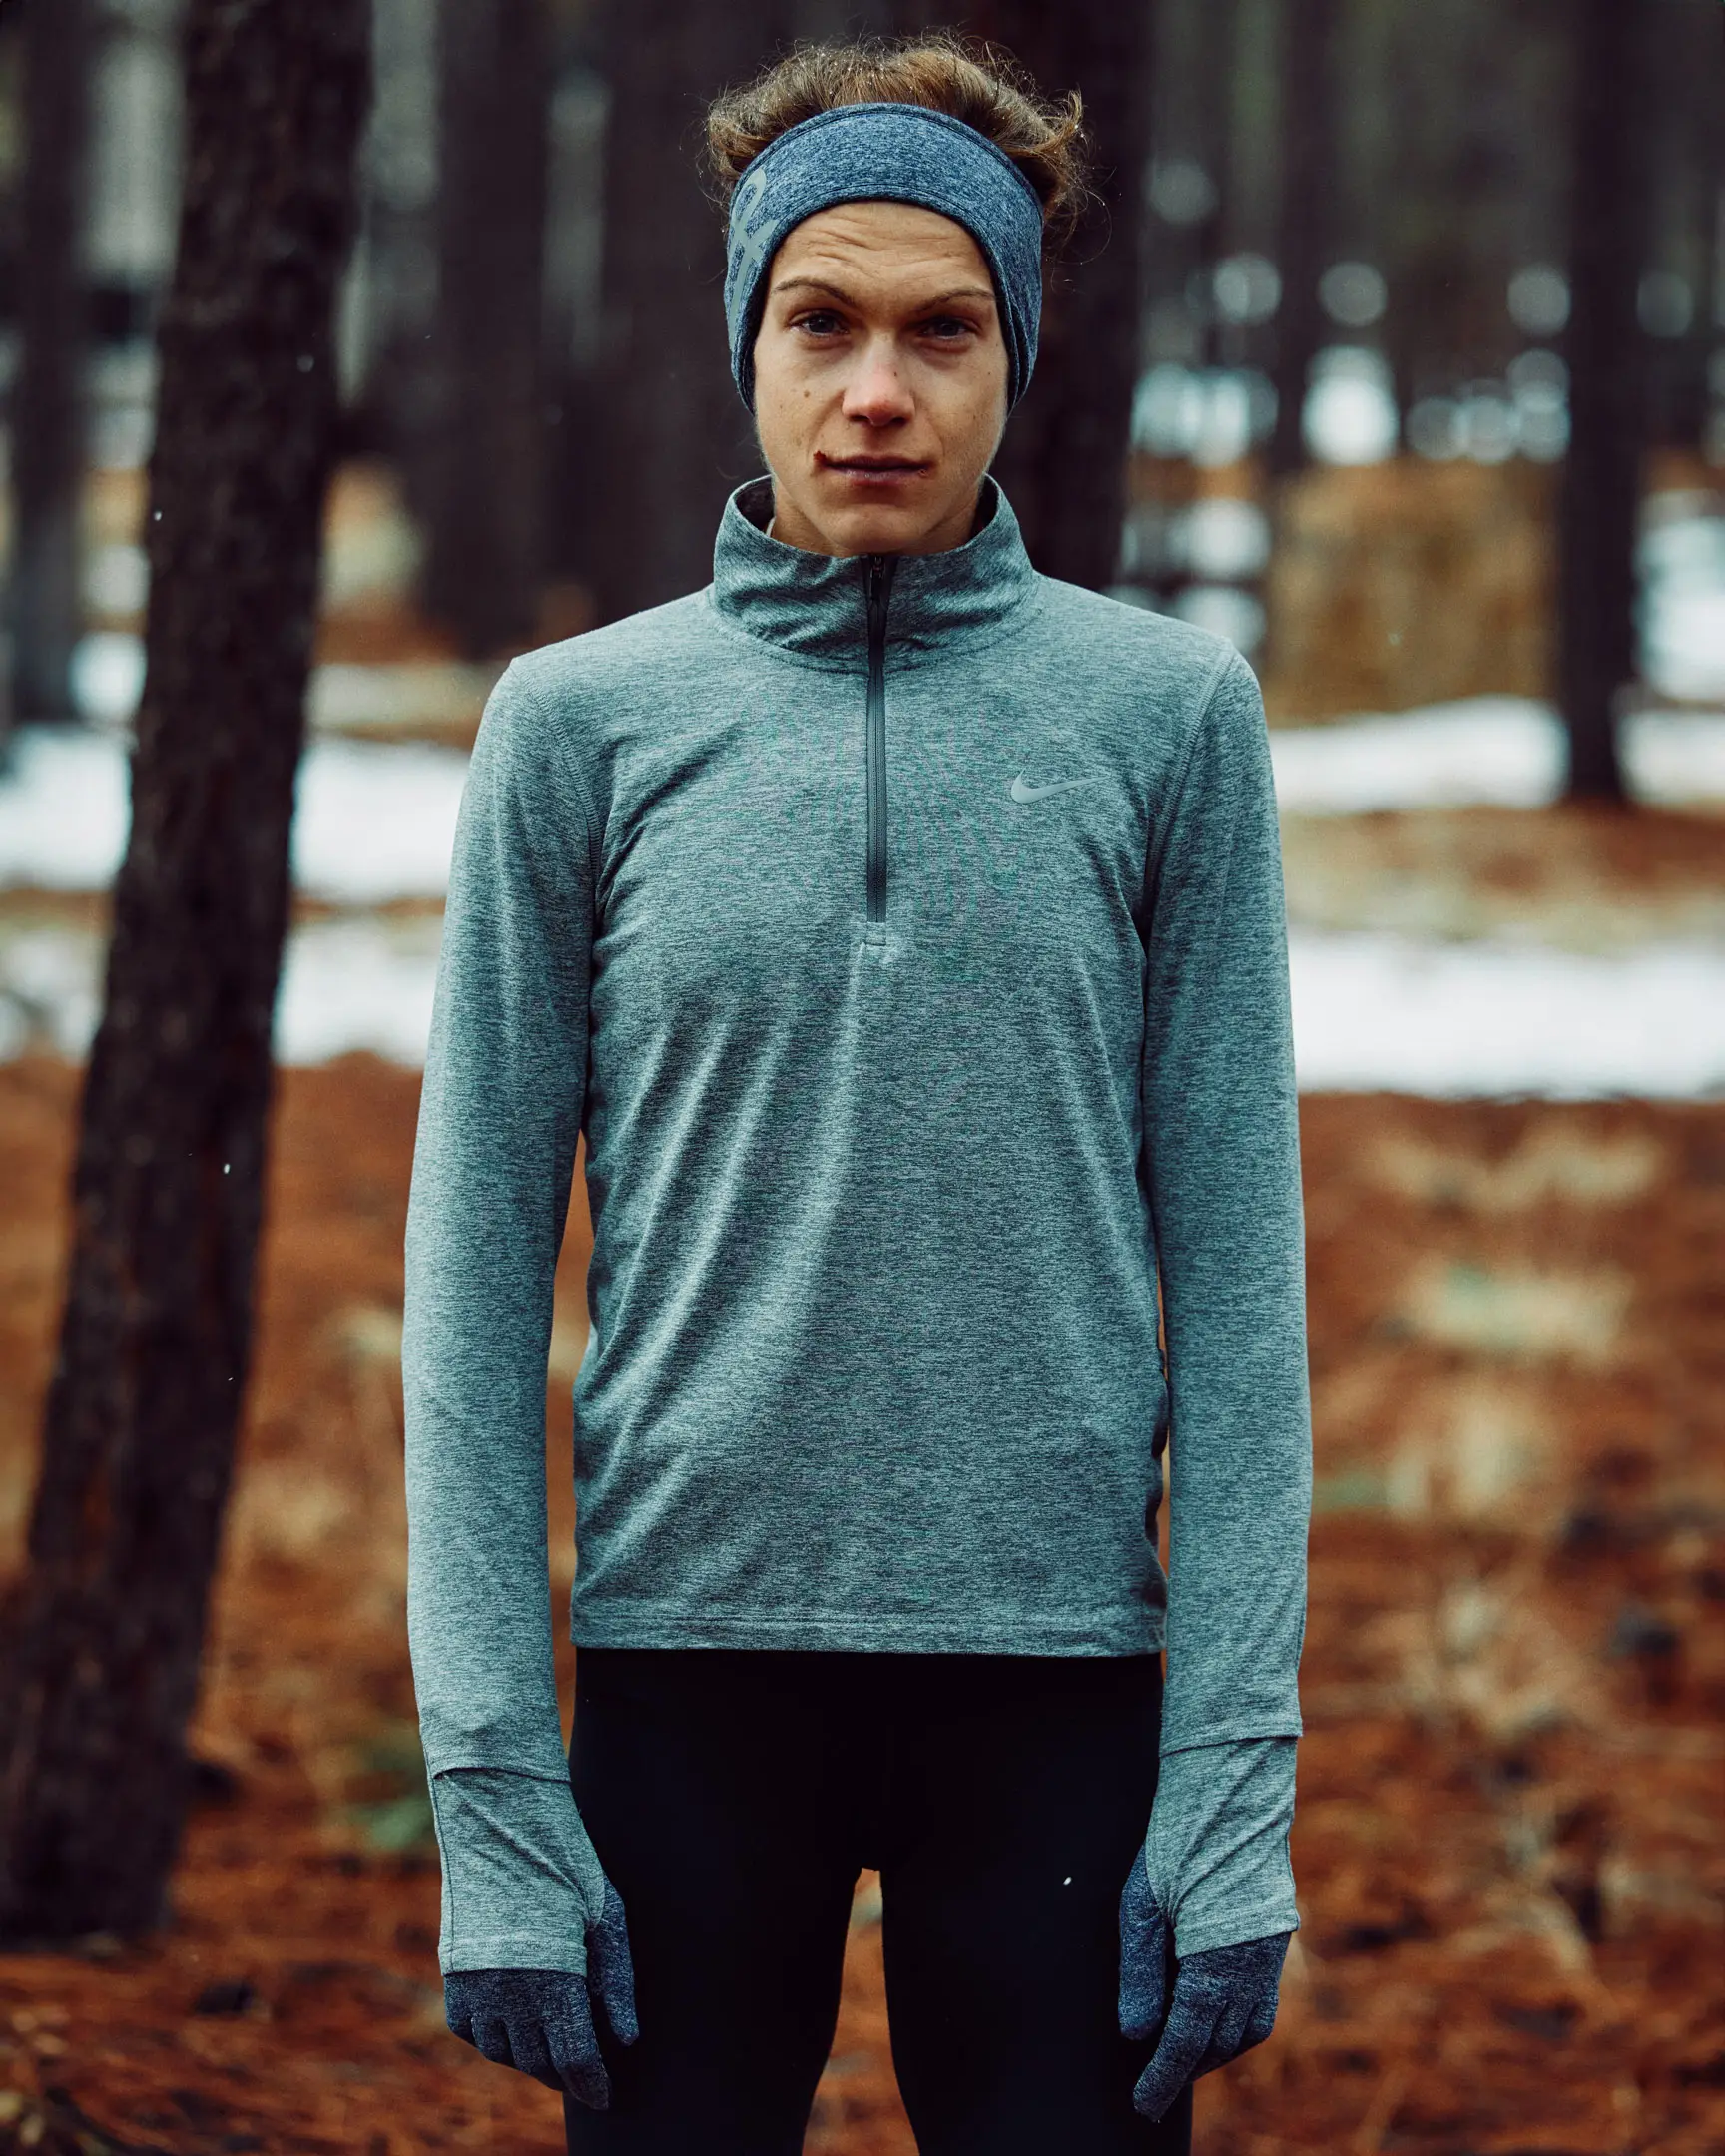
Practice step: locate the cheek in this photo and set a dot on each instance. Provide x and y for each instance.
(782, 393)
(977, 418)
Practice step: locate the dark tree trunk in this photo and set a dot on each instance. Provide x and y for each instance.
(1305, 235)
(1063, 462)
(105, 1627)
(487, 447)
(1216, 47)
(1600, 492)
(670, 439)
(48, 402)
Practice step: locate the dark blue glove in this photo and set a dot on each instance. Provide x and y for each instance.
(1223, 2003)
(541, 2020)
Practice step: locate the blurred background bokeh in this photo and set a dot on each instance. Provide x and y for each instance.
(1394, 351)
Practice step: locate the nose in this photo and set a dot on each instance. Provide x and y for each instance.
(877, 391)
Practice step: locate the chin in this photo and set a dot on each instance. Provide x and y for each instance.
(876, 533)
(879, 527)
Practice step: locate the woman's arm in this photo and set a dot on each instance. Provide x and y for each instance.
(1222, 1158)
(499, 1117)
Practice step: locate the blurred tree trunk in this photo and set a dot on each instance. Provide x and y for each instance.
(670, 438)
(1215, 48)
(487, 445)
(1063, 461)
(1599, 497)
(103, 1630)
(1305, 226)
(48, 445)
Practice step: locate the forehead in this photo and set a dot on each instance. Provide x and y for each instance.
(885, 245)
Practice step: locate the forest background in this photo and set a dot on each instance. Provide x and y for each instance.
(346, 349)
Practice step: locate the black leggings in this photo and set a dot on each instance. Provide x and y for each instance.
(734, 1795)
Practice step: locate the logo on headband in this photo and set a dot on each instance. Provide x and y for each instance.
(749, 249)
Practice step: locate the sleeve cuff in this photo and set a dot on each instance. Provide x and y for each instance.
(521, 1878)
(1216, 1846)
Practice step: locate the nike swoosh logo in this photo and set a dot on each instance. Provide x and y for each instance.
(1024, 792)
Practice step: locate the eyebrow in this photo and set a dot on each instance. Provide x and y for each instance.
(958, 292)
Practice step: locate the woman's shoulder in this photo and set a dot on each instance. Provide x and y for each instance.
(641, 653)
(1075, 611)
(1145, 653)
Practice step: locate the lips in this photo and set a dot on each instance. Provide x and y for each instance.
(874, 467)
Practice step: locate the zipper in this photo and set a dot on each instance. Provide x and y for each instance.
(879, 588)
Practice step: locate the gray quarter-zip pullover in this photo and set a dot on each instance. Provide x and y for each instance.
(905, 937)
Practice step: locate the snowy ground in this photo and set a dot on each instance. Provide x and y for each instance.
(1498, 1018)
(1501, 752)
(1397, 987)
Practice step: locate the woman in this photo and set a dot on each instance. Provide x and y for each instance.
(904, 930)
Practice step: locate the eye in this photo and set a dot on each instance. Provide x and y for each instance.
(948, 328)
(818, 322)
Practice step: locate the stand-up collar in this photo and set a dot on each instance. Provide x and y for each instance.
(816, 604)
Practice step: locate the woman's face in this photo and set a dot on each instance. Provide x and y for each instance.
(880, 380)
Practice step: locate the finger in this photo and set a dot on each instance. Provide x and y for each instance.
(1228, 2036)
(459, 2014)
(609, 1970)
(491, 2038)
(1185, 2039)
(1143, 1956)
(1260, 2023)
(575, 2055)
(531, 2054)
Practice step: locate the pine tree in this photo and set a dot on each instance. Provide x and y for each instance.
(1600, 498)
(1063, 462)
(103, 1630)
(48, 410)
(486, 444)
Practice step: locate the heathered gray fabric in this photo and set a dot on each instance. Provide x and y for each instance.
(521, 1878)
(885, 153)
(878, 1205)
(1217, 1850)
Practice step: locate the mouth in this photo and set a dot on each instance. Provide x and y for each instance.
(872, 470)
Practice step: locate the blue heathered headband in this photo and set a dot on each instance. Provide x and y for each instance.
(885, 153)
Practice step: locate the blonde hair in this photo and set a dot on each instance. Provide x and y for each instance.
(978, 82)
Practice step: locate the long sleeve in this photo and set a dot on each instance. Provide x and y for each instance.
(492, 1166)
(1222, 1163)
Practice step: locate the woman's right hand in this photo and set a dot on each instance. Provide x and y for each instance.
(540, 2022)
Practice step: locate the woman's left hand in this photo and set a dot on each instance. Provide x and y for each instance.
(1223, 2001)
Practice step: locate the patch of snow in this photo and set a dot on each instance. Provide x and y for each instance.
(117, 578)
(355, 698)
(1502, 752)
(1683, 640)
(1224, 610)
(1220, 537)
(1675, 757)
(376, 821)
(65, 809)
(107, 672)
(50, 989)
(1681, 609)
(1349, 414)
(108, 675)
(373, 820)
(1501, 1019)
(348, 985)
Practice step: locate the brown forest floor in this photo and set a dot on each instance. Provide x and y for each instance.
(1508, 1844)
